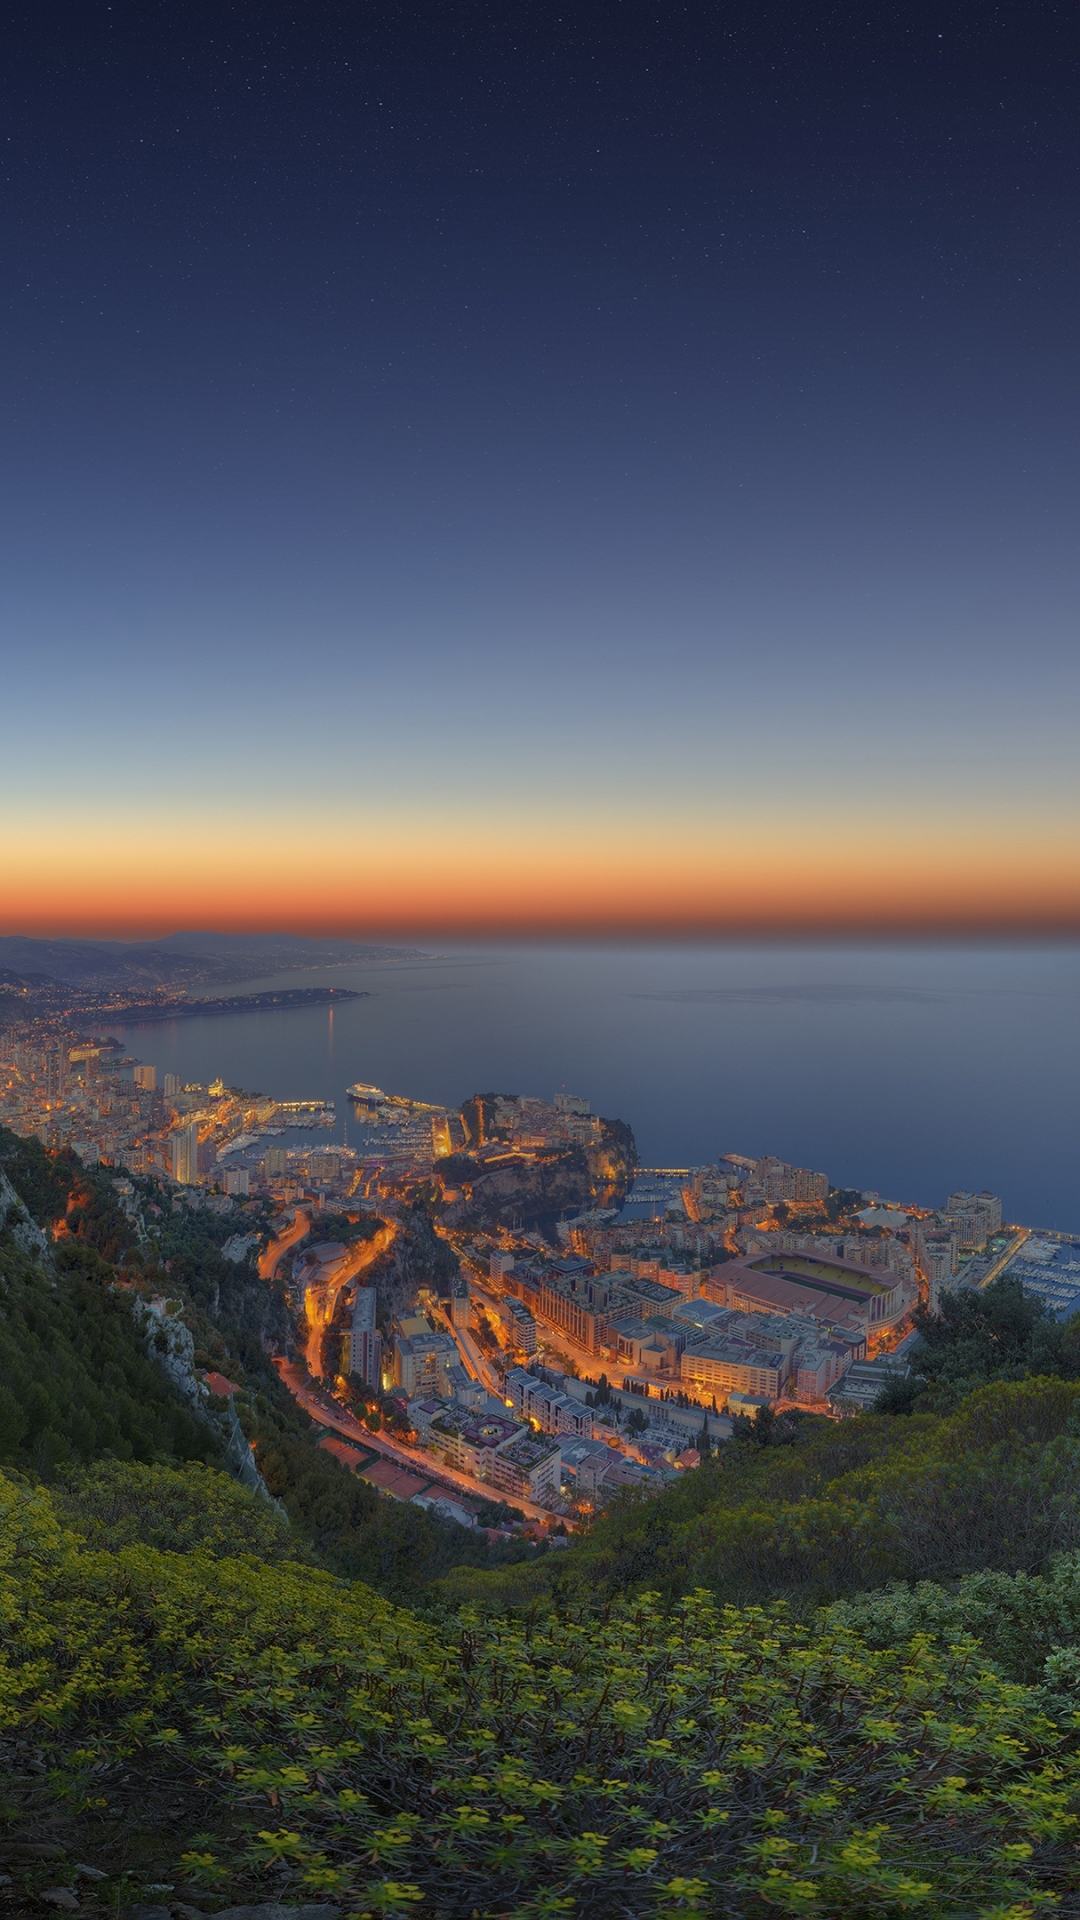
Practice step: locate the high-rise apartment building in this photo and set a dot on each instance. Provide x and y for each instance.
(275, 1163)
(173, 1085)
(774, 1180)
(146, 1078)
(184, 1155)
(976, 1216)
(55, 1073)
(365, 1341)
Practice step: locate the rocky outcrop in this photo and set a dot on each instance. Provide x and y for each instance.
(23, 1229)
(516, 1190)
(171, 1344)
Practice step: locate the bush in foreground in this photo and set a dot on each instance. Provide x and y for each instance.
(606, 1762)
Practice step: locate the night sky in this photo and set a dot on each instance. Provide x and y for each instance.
(487, 468)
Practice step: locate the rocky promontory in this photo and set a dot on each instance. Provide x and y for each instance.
(538, 1188)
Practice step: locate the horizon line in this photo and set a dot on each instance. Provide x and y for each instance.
(996, 929)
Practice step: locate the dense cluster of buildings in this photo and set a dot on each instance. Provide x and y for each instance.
(741, 1282)
(68, 1091)
(778, 1325)
(527, 1124)
(457, 1421)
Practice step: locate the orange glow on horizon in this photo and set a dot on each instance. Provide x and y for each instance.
(772, 883)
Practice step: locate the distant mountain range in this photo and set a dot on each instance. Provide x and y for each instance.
(182, 959)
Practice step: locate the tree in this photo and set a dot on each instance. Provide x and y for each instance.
(998, 1332)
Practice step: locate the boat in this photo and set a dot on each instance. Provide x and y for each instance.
(373, 1096)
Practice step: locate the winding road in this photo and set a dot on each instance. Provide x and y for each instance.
(320, 1300)
(268, 1259)
(320, 1404)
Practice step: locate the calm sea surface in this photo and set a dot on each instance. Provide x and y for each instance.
(912, 1070)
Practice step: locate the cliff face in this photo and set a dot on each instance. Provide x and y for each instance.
(537, 1191)
(612, 1164)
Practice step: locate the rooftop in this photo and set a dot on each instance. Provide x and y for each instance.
(529, 1449)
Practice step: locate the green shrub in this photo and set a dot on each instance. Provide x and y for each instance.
(597, 1762)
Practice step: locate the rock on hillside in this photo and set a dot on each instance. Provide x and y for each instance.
(513, 1190)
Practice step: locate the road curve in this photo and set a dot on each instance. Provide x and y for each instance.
(322, 1407)
(268, 1259)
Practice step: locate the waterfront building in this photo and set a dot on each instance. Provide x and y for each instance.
(772, 1180)
(146, 1078)
(976, 1217)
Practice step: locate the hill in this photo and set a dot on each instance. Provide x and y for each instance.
(219, 1727)
(835, 1671)
(183, 959)
(80, 1377)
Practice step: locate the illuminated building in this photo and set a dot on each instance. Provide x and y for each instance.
(184, 1155)
(976, 1216)
(365, 1341)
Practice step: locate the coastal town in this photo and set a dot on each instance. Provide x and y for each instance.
(597, 1324)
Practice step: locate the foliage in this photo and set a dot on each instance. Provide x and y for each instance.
(497, 1513)
(75, 1379)
(1028, 1625)
(113, 1505)
(766, 1427)
(357, 1531)
(842, 1202)
(844, 1506)
(591, 1763)
(998, 1332)
(77, 1383)
(348, 1227)
(67, 1198)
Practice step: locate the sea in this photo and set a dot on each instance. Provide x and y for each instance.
(905, 1070)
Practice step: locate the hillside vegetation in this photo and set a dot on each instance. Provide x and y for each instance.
(835, 1671)
(77, 1381)
(840, 1507)
(241, 1729)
